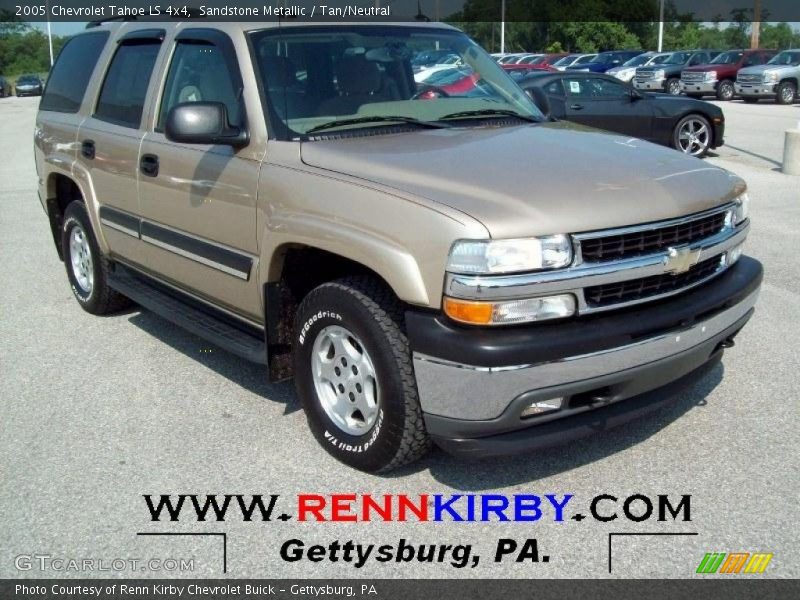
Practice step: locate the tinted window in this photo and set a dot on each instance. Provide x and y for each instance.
(70, 75)
(199, 73)
(554, 88)
(122, 97)
(594, 87)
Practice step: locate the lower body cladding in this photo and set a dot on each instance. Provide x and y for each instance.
(493, 392)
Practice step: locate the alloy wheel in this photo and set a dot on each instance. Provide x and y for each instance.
(81, 259)
(345, 380)
(693, 137)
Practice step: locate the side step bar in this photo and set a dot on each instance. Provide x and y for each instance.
(190, 316)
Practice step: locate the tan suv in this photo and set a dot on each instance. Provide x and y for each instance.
(431, 263)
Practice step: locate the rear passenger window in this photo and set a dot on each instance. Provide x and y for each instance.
(67, 82)
(122, 97)
(199, 73)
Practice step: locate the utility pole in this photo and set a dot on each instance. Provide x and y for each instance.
(755, 31)
(49, 33)
(661, 25)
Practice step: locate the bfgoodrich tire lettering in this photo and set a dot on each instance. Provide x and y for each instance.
(367, 308)
(90, 290)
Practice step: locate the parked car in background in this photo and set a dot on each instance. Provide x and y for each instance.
(542, 60)
(779, 79)
(29, 85)
(5, 87)
(666, 75)
(573, 60)
(626, 70)
(454, 81)
(606, 60)
(602, 101)
(429, 58)
(511, 57)
(717, 77)
(518, 71)
(448, 62)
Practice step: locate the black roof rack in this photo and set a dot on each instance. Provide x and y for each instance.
(99, 22)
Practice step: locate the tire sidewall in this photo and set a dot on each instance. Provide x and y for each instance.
(326, 306)
(75, 215)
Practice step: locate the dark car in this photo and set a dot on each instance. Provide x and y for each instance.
(602, 101)
(606, 60)
(717, 77)
(29, 85)
(666, 75)
(5, 88)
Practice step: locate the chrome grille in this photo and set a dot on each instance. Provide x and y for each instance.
(644, 75)
(692, 77)
(749, 78)
(657, 285)
(649, 240)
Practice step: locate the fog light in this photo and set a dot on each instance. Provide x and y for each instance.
(543, 406)
(733, 255)
(511, 311)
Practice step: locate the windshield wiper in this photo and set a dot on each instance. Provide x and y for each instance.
(376, 119)
(489, 112)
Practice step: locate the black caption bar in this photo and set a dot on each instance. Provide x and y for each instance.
(442, 589)
(462, 11)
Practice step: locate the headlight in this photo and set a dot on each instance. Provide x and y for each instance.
(487, 257)
(659, 74)
(510, 312)
(771, 77)
(711, 76)
(740, 211)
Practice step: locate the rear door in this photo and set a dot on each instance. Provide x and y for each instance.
(198, 202)
(607, 104)
(109, 140)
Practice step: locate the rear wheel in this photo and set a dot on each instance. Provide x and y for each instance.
(674, 86)
(725, 90)
(786, 92)
(87, 268)
(692, 135)
(354, 376)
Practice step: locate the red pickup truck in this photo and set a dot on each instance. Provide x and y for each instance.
(717, 77)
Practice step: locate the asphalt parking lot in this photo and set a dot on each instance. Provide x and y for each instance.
(97, 412)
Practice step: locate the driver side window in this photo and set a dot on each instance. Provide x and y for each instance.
(198, 73)
(595, 88)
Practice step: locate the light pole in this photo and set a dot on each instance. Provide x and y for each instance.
(49, 32)
(503, 27)
(660, 25)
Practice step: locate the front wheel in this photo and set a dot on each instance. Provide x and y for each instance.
(725, 90)
(674, 86)
(354, 376)
(692, 135)
(786, 93)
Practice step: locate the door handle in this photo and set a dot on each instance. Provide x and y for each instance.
(576, 106)
(148, 165)
(87, 149)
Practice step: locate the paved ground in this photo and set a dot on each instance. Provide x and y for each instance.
(98, 411)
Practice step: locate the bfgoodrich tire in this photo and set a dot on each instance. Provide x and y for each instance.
(87, 268)
(354, 376)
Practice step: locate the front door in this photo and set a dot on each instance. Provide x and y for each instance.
(198, 203)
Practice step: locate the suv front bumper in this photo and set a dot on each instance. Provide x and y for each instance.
(700, 87)
(474, 383)
(756, 90)
(652, 85)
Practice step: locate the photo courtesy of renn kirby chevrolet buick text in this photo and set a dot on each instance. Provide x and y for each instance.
(431, 263)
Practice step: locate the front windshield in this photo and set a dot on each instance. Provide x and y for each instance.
(727, 58)
(585, 59)
(28, 79)
(602, 58)
(677, 58)
(317, 76)
(787, 58)
(638, 61)
(567, 60)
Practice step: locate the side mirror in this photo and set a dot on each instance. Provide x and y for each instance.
(203, 123)
(635, 95)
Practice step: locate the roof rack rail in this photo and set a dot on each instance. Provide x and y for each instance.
(99, 22)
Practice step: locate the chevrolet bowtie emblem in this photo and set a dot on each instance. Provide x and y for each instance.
(680, 260)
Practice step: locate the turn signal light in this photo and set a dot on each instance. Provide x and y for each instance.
(475, 313)
(509, 312)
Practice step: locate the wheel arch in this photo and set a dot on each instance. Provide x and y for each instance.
(61, 190)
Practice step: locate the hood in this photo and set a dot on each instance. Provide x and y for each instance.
(758, 69)
(533, 179)
(709, 67)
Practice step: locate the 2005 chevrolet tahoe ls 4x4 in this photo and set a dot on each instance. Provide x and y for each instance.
(428, 266)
